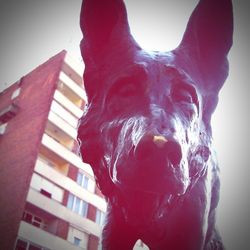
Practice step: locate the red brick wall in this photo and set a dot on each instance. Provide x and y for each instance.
(98, 192)
(62, 229)
(65, 197)
(72, 174)
(91, 212)
(20, 143)
(93, 242)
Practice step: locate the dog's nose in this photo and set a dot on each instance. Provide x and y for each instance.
(158, 147)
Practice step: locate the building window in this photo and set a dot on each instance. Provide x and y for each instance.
(100, 217)
(45, 193)
(77, 241)
(78, 238)
(85, 182)
(77, 205)
(37, 222)
(33, 220)
(82, 180)
(22, 244)
(8, 113)
(32, 247)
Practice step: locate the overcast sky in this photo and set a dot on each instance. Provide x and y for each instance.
(31, 31)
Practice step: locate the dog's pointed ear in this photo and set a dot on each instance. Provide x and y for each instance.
(208, 38)
(206, 43)
(103, 23)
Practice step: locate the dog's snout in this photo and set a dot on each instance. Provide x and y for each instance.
(158, 146)
(174, 153)
(159, 140)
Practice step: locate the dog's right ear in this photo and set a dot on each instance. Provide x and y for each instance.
(208, 39)
(105, 28)
(106, 35)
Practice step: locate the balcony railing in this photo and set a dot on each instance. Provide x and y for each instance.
(62, 126)
(65, 154)
(73, 68)
(8, 113)
(69, 105)
(62, 212)
(64, 114)
(75, 88)
(42, 238)
(66, 183)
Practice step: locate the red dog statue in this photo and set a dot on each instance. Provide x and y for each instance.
(146, 129)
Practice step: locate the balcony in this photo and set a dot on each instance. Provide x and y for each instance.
(73, 69)
(62, 154)
(64, 114)
(8, 113)
(62, 212)
(47, 187)
(53, 160)
(66, 183)
(3, 128)
(69, 105)
(63, 132)
(42, 238)
(70, 89)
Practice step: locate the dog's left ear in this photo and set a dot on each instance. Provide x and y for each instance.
(206, 41)
(208, 38)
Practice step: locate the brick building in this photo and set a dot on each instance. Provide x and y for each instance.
(48, 197)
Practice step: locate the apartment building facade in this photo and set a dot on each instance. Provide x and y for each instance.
(48, 196)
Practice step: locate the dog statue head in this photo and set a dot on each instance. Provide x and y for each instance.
(146, 129)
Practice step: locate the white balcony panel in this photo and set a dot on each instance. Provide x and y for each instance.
(65, 154)
(66, 103)
(66, 183)
(39, 183)
(72, 85)
(62, 125)
(76, 68)
(73, 232)
(43, 238)
(62, 212)
(64, 114)
(3, 128)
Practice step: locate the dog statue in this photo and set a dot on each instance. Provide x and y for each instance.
(146, 128)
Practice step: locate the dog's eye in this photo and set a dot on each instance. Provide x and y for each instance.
(121, 96)
(127, 90)
(183, 96)
(184, 93)
(125, 87)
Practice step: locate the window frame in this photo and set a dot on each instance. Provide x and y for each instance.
(81, 209)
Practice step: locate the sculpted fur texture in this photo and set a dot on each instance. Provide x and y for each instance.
(146, 128)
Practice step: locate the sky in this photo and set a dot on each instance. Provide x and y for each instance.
(32, 31)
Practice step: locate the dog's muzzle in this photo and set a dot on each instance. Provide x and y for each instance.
(158, 146)
(159, 163)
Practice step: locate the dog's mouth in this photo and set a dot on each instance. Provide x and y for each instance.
(146, 207)
(154, 166)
